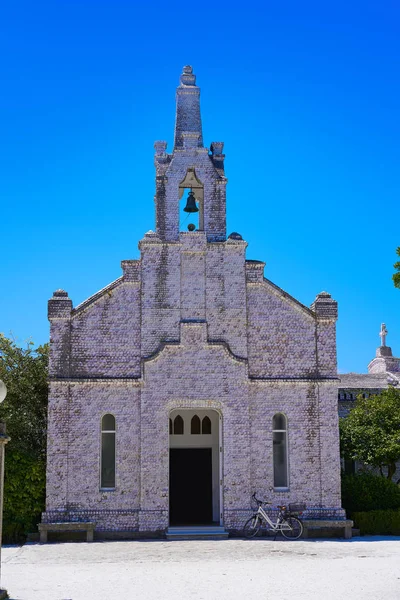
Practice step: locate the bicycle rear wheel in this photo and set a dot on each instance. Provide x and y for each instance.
(296, 528)
(252, 526)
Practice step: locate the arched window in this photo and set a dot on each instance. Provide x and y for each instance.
(280, 454)
(195, 425)
(107, 451)
(178, 425)
(170, 427)
(206, 426)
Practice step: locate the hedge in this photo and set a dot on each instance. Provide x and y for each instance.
(378, 522)
(366, 492)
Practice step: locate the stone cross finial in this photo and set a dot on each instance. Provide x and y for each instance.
(383, 333)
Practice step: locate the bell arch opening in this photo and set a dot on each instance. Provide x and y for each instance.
(191, 208)
(195, 469)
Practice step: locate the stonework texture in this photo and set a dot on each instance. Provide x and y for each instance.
(190, 325)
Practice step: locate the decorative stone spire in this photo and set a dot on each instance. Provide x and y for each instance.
(188, 129)
(383, 350)
(383, 333)
(384, 361)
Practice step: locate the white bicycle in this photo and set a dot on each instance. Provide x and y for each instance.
(287, 524)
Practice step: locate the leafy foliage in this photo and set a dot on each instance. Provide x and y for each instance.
(396, 276)
(24, 494)
(371, 432)
(378, 522)
(365, 492)
(24, 371)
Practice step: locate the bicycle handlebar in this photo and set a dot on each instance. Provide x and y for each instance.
(259, 502)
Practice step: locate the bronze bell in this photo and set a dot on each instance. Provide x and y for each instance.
(191, 203)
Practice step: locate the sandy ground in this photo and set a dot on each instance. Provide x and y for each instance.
(360, 569)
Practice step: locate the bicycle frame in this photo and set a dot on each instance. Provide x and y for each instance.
(279, 525)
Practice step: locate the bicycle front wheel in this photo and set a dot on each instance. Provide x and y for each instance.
(296, 528)
(252, 526)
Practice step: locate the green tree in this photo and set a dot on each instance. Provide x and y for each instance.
(371, 432)
(24, 371)
(396, 276)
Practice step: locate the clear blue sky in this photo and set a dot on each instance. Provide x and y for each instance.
(306, 97)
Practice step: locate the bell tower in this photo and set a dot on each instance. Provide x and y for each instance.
(191, 171)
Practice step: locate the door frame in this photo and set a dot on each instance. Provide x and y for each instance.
(196, 441)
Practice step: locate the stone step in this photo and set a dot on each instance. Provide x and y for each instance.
(197, 533)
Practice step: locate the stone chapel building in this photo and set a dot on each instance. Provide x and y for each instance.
(191, 381)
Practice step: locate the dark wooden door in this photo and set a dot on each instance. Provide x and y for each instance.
(190, 486)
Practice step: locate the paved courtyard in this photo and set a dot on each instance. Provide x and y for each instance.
(360, 569)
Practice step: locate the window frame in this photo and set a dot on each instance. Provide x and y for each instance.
(195, 420)
(202, 423)
(102, 431)
(183, 425)
(286, 487)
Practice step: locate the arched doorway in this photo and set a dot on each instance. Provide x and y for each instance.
(194, 467)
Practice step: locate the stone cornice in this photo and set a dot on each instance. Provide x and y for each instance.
(295, 303)
(254, 379)
(86, 303)
(211, 343)
(136, 381)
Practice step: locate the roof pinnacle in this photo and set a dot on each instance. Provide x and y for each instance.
(188, 129)
(187, 77)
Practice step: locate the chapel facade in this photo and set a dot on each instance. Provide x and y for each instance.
(191, 381)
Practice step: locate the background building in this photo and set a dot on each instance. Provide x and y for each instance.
(383, 370)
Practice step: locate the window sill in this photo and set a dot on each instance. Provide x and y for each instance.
(107, 489)
(281, 489)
